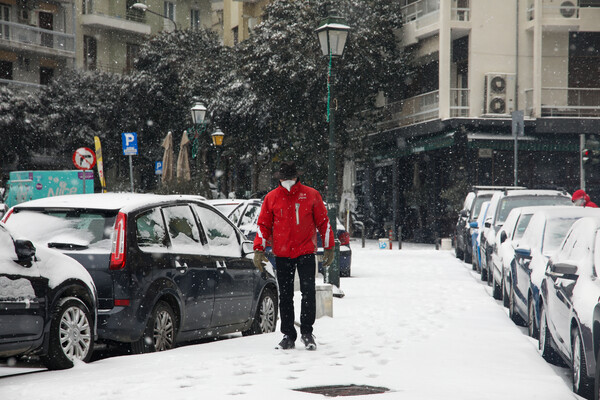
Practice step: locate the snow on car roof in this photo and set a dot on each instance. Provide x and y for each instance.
(536, 192)
(105, 201)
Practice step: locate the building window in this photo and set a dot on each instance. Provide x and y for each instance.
(133, 51)
(46, 75)
(90, 48)
(6, 70)
(87, 7)
(170, 14)
(4, 16)
(194, 19)
(235, 35)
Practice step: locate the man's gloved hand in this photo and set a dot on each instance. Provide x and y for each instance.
(260, 259)
(328, 256)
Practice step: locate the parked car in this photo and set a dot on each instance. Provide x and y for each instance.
(245, 216)
(476, 236)
(500, 206)
(468, 214)
(569, 308)
(542, 238)
(47, 304)
(504, 253)
(168, 269)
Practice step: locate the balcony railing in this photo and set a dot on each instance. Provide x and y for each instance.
(421, 108)
(459, 103)
(566, 102)
(419, 9)
(13, 32)
(17, 85)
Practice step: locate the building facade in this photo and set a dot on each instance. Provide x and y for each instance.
(40, 39)
(239, 18)
(474, 63)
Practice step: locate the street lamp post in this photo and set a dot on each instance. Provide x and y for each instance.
(217, 139)
(332, 33)
(144, 7)
(198, 112)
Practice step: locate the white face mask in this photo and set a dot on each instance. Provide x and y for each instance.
(288, 184)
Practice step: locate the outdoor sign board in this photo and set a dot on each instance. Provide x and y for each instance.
(31, 185)
(130, 146)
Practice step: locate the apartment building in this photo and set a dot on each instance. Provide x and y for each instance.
(474, 63)
(42, 39)
(239, 18)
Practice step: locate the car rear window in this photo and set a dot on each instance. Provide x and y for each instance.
(65, 228)
(510, 202)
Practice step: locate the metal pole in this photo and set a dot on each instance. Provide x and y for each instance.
(581, 169)
(84, 176)
(334, 268)
(131, 172)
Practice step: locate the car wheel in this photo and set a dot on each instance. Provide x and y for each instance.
(532, 328)
(544, 344)
(581, 382)
(468, 256)
(512, 312)
(160, 331)
(496, 289)
(597, 380)
(266, 314)
(71, 334)
(505, 299)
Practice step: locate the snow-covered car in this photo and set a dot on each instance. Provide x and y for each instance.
(468, 214)
(168, 269)
(569, 307)
(245, 216)
(542, 238)
(500, 206)
(504, 253)
(47, 304)
(476, 236)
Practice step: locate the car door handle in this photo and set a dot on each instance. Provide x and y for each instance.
(183, 266)
(221, 267)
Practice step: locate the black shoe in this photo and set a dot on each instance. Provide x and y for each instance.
(309, 342)
(286, 343)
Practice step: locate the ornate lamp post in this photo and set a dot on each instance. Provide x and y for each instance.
(217, 139)
(332, 33)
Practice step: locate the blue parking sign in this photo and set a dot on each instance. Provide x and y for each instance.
(157, 167)
(130, 147)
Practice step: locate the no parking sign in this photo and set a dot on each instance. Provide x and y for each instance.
(84, 158)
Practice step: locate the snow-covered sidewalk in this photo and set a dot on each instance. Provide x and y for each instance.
(417, 321)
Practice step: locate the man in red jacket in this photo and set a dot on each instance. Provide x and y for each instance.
(290, 216)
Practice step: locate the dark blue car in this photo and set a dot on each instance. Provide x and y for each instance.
(168, 269)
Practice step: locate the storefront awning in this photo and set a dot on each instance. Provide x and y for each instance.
(415, 146)
(526, 143)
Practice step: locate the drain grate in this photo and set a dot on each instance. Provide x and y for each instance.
(344, 390)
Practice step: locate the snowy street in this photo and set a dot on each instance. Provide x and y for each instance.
(416, 321)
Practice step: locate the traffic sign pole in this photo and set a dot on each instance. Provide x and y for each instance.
(131, 172)
(130, 148)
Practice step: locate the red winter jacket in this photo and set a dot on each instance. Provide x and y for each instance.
(291, 219)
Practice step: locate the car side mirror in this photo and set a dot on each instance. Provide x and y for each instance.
(464, 213)
(25, 250)
(503, 237)
(523, 252)
(487, 224)
(569, 270)
(474, 225)
(247, 248)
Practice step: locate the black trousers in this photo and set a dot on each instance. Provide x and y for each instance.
(285, 277)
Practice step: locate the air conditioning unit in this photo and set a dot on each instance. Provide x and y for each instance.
(499, 93)
(568, 9)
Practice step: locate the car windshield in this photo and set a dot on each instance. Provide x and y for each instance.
(482, 198)
(521, 226)
(65, 228)
(510, 202)
(555, 231)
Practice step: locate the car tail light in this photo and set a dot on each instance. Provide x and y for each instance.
(344, 238)
(119, 243)
(121, 302)
(8, 214)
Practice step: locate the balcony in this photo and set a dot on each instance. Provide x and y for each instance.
(566, 102)
(20, 86)
(459, 103)
(132, 23)
(557, 15)
(43, 41)
(421, 108)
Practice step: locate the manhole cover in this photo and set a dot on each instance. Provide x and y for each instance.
(344, 390)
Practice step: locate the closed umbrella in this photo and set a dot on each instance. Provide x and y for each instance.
(167, 144)
(183, 161)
